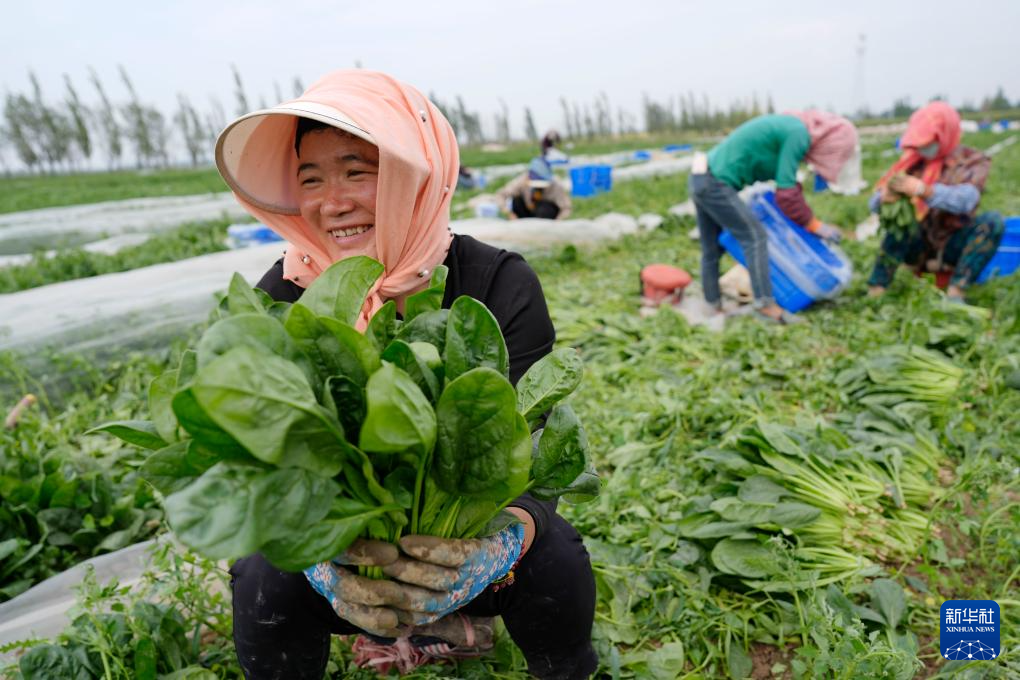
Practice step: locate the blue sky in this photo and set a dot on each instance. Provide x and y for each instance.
(526, 52)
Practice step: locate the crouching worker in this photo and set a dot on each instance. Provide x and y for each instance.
(767, 148)
(943, 181)
(536, 193)
(362, 164)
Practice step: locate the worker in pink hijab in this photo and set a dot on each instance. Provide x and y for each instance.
(362, 164)
(768, 148)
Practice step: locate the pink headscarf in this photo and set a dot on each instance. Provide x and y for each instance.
(936, 122)
(833, 140)
(418, 164)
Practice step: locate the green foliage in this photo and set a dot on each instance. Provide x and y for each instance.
(174, 623)
(658, 396)
(50, 191)
(290, 434)
(65, 497)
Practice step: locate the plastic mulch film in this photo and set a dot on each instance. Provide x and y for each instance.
(118, 309)
(23, 232)
(41, 611)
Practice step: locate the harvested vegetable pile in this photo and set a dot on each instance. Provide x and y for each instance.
(286, 431)
(834, 504)
(902, 374)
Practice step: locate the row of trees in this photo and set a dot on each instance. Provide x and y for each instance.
(70, 135)
(902, 107)
(598, 118)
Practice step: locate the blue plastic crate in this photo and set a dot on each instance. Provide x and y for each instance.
(245, 235)
(588, 180)
(671, 148)
(820, 184)
(642, 156)
(802, 267)
(787, 294)
(1007, 258)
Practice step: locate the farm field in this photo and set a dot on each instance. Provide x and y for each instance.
(766, 511)
(31, 192)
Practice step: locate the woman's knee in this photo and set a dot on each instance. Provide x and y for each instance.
(262, 592)
(557, 568)
(991, 223)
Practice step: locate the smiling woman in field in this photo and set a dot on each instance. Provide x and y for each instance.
(362, 164)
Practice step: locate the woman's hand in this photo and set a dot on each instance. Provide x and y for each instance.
(370, 604)
(451, 572)
(829, 232)
(907, 185)
(887, 195)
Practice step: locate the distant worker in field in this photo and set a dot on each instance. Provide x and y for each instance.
(550, 147)
(535, 193)
(767, 148)
(466, 179)
(941, 183)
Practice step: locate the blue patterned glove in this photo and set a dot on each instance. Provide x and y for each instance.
(367, 603)
(452, 571)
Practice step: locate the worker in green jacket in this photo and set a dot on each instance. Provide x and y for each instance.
(769, 147)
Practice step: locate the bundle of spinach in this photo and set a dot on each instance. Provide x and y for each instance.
(837, 503)
(902, 374)
(897, 218)
(286, 431)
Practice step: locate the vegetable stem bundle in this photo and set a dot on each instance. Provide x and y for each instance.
(840, 504)
(897, 218)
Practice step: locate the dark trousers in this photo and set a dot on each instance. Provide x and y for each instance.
(718, 206)
(282, 626)
(546, 210)
(968, 250)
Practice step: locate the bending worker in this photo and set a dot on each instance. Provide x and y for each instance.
(767, 148)
(536, 193)
(944, 181)
(362, 164)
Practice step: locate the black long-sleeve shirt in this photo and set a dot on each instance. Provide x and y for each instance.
(504, 283)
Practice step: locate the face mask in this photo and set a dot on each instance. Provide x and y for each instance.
(929, 151)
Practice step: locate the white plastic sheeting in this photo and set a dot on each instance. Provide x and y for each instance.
(130, 307)
(21, 232)
(125, 306)
(106, 246)
(534, 234)
(41, 612)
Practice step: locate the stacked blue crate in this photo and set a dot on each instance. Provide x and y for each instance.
(1007, 258)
